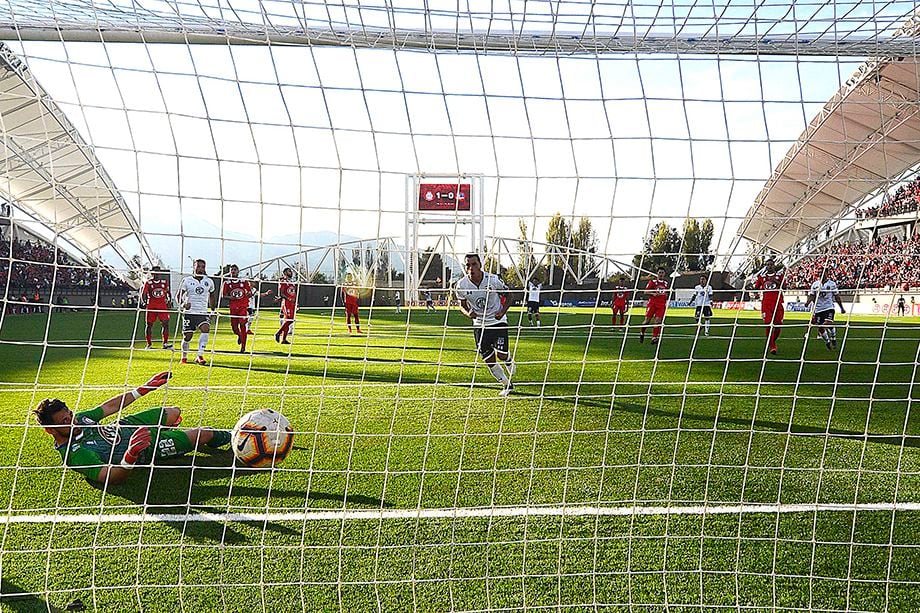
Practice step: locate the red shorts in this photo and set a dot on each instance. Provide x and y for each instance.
(619, 307)
(287, 310)
(656, 310)
(239, 312)
(153, 316)
(773, 315)
(351, 308)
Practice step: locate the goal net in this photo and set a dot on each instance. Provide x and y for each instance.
(677, 375)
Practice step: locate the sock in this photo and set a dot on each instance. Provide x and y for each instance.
(511, 366)
(243, 335)
(538, 323)
(149, 340)
(284, 330)
(219, 438)
(202, 343)
(184, 348)
(499, 373)
(656, 331)
(774, 336)
(165, 335)
(833, 332)
(706, 325)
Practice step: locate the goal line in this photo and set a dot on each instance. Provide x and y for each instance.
(458, 513)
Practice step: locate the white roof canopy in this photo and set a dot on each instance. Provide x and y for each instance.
(866, 137)
(49, 172)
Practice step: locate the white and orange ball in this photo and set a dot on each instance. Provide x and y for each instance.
(262, 438)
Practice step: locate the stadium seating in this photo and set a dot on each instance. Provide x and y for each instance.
(905, 200)
(29, 270)
(884, 263)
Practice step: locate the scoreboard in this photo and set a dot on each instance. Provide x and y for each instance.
(444, 196)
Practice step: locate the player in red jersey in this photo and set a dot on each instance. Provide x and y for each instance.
(155, 299)
(287, 291)
(618, 304)
(350, 292)
(657, 292)
(770, 282)
(238, 291)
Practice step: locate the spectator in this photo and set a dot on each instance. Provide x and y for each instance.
(884, 262)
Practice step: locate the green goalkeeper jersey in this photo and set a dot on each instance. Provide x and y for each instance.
(101, 445)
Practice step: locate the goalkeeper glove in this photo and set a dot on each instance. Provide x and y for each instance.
(156, 381)
(139, 441)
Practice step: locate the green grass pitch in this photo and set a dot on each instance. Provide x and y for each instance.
(405, 418)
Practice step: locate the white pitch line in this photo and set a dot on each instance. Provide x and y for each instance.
(460, 513)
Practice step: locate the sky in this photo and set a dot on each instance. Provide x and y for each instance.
(241, 152)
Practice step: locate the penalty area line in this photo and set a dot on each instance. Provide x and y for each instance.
(458, 513)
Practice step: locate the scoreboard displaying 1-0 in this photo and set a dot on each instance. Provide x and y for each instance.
(444, 197)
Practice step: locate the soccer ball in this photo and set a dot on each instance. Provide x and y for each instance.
(262, 438)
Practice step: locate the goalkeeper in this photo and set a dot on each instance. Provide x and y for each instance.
(108, 453)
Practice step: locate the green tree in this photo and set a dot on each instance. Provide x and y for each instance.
(431, 260)
(559, 235)
(695, 248)
(584, 239)
(661, 248)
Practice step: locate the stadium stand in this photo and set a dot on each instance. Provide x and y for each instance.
(29, 270)
(882, 263)
(905, 200)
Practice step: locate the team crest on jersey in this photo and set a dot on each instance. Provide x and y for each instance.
(481, 303)
(110, 434)
(236, 293)
(199, 290)
(157, 292)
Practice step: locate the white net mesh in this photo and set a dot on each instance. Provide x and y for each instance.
(601, 142)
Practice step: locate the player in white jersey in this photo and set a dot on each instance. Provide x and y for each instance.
(254, 306)
(702, 299)
(398, 301)
(195, 296)
(533, 302)
(823, 293)
(480, 294)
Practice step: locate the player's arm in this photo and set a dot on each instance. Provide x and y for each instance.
(212, 298)
(839, 300)
(811, 297)
(116, 403)
(117, 473)
(144, 294)
(180, 297)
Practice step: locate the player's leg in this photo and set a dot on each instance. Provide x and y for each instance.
(148, 331)
(187, 331)
(707, 315)
(164, 330)
(659, 317)
(204, 332)
(357, 321)
(156, 416)
(645, 322)
(776, 326)
(348, 318)
(172, 443)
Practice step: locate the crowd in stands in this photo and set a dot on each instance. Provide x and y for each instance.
(905, 200)
(29, 269)
(885, 263)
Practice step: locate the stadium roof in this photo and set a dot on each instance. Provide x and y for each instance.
(48, 172)
(866, 137)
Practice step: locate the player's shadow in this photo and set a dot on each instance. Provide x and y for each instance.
(756, 424)
(14, 598)
(207, 483)
(330, 372)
